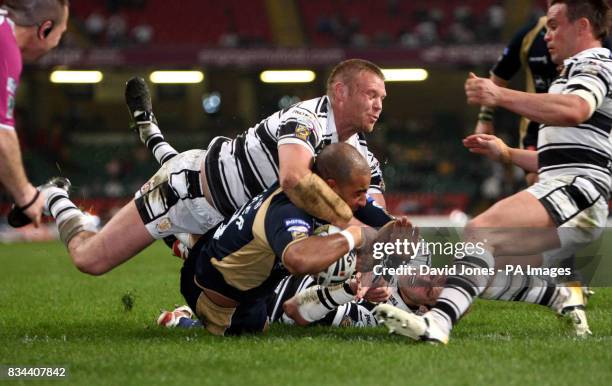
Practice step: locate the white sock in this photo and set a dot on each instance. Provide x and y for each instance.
(151, 136)
(59, 205)
(316, 301)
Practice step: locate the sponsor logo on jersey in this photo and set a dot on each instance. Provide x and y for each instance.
(164, 225)
(146, 187)
(296, 221)
(302, 132)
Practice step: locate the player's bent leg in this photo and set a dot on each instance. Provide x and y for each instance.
(250, 317)
(494, 232)
(518, 217)
(215, 318)
(119, 240)
(92, 252)
(565, 299)
(138, 100)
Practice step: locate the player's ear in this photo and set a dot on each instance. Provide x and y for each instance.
(332, 183)
(340, 91)
(583, 25)
(44, 29)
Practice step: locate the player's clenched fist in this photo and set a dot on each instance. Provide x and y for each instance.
(481, 91)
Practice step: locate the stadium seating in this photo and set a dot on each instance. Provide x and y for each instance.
(188, 23)
(373, 18)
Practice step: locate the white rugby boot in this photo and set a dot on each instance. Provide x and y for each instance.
(422, 328)
(570, 304)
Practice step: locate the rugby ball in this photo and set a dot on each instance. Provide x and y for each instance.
(342, 269)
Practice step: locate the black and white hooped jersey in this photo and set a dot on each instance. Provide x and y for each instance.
(240, 168)
(585, 149)
(355, 313)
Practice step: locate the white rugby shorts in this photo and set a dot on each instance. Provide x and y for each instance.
(172, 201)
(578, 209)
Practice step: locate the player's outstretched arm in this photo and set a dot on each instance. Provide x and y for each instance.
(13, 177)
(497, 150)
(307, 190)
(548, 109)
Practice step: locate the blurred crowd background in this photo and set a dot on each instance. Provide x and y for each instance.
(82, 131)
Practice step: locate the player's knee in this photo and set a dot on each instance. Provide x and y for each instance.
(91, 269)
(87, 265)
(470, 231)
(480, 229)
(478, 223)
(482, 226)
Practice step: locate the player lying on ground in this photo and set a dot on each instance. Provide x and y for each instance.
(340, 306)
(234, 269)
(568, 207)
(304, 301)
(301, 301)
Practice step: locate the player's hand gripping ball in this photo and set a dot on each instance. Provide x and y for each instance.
(342, 269)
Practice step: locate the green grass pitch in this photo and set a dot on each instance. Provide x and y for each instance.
(50, 314)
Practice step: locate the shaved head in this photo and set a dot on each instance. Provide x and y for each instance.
(341, 162)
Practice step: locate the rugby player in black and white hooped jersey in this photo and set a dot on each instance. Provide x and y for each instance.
(282, 147)
(528, 51)
(301, 301)
(568, 207)
(195, 190)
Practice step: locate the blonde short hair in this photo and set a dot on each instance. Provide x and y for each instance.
(347, 71)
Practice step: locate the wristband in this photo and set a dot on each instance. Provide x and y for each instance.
(349, 237)
(486, 114)
(29, 204)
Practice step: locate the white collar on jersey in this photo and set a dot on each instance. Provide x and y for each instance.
(588, 52)
(331, 126)
(331, 123)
